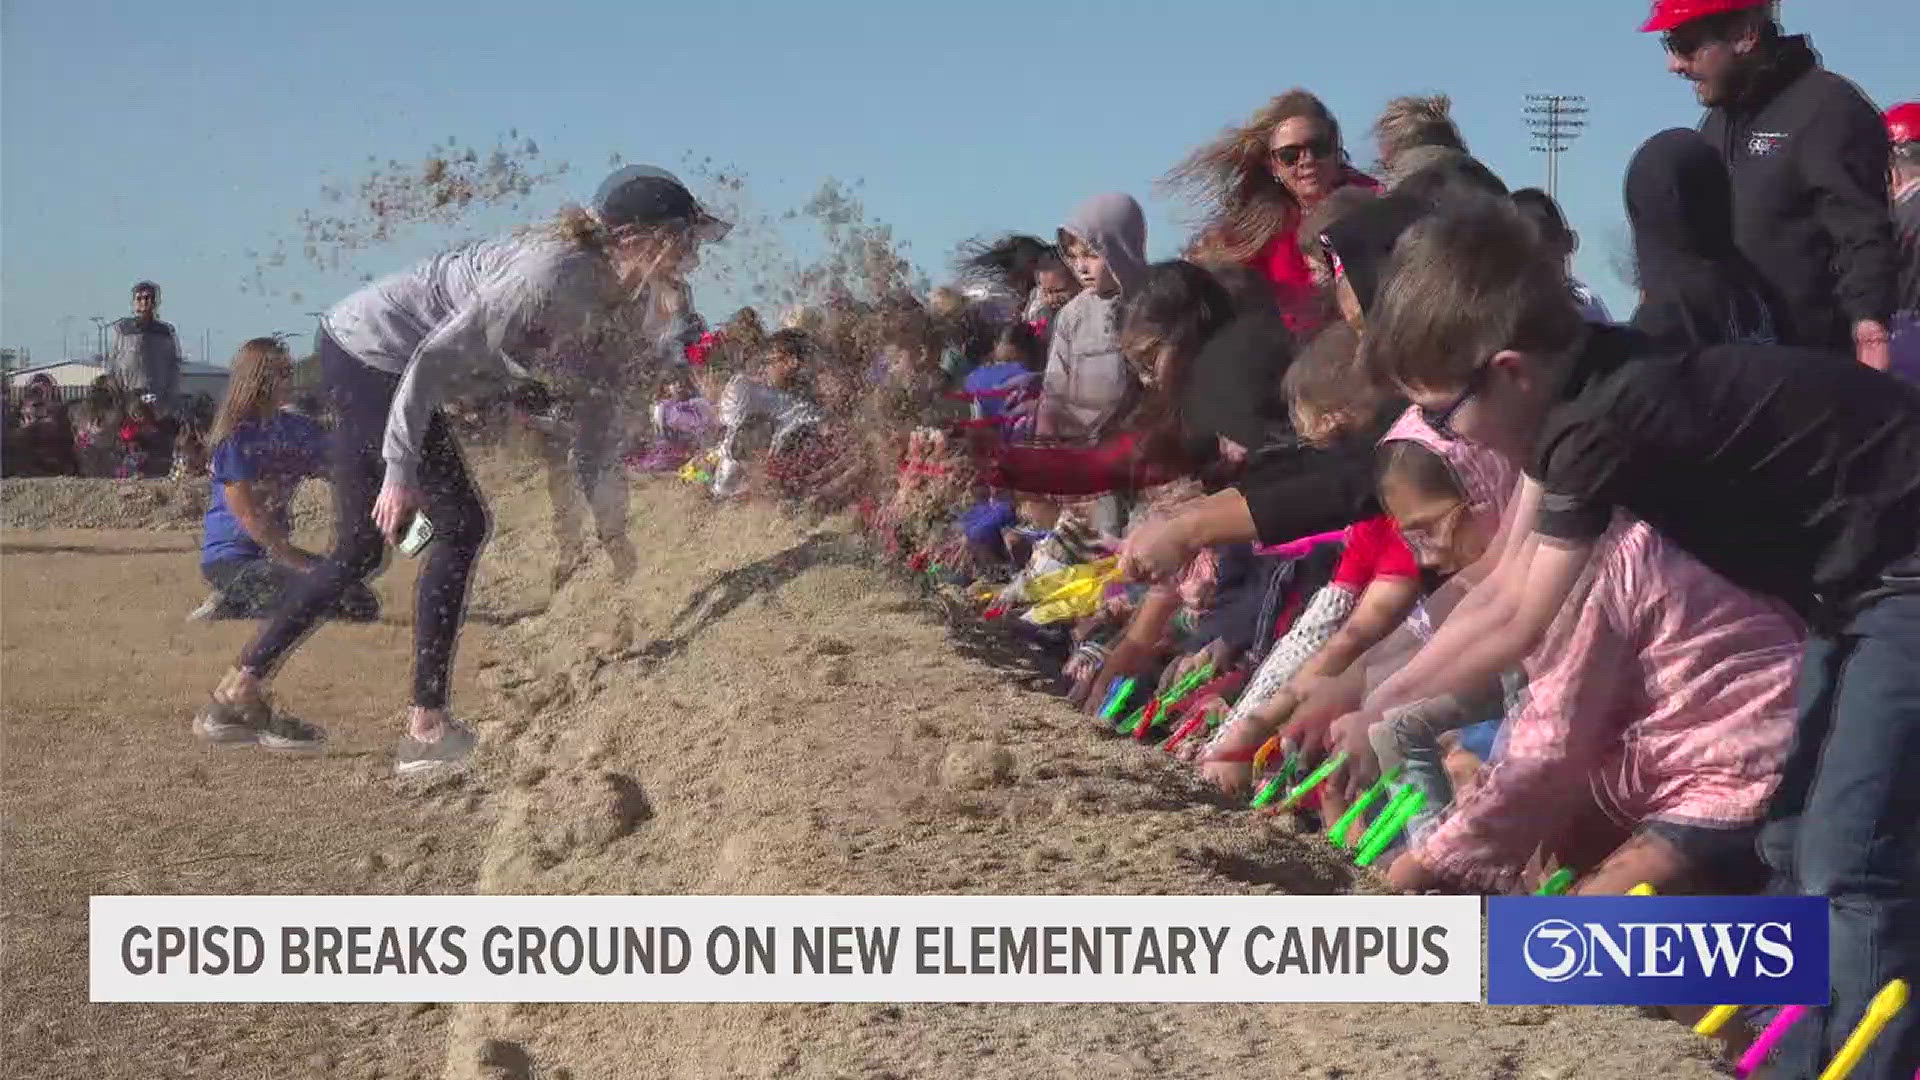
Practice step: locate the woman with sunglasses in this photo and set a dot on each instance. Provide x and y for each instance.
(1262, 179)
(578, 299)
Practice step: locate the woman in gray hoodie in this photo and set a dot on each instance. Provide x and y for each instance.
(392, 355)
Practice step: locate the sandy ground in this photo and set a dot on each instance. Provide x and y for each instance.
(760, 710)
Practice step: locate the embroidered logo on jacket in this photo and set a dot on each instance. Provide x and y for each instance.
(1765, 143)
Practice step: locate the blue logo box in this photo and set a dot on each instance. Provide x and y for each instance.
(1657, 950)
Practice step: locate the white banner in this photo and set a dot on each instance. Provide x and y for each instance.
(785, 948)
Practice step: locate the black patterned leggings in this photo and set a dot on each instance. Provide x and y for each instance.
(361, 396)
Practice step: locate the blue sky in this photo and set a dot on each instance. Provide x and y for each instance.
(170, 141)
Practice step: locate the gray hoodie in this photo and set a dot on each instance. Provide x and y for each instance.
(1088, 384)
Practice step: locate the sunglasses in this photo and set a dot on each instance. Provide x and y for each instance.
(1290, 154)
(1441, 420)
(1685, 40)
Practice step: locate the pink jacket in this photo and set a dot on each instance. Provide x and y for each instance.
(1664, 693)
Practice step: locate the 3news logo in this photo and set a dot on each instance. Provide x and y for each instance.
(1679, 950)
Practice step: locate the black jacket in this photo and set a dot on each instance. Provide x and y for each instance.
(1808, 156)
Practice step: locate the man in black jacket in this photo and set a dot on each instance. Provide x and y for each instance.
(1808, 156)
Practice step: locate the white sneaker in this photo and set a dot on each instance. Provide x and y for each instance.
(451, 750)
(208, 610)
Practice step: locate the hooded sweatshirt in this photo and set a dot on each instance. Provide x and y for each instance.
(1808, 156)
(462, 319)
(1087, 384)
(1696, 288)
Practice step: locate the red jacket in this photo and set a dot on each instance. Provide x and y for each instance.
(1282, 264)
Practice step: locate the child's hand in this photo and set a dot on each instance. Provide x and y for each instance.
(1349, 734)
(1124, 660)
(1192, 662)
(1079, 669)
(1196, 744)
(1156, 551)
(1464, 771)
(1409, 875)
(1312, 722)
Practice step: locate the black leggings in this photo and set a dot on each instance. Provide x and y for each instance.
(361, 397)
(256, 588)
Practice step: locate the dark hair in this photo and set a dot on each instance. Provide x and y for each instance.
(1327, 378)
(146, 287)
(795, 343)
(1179, 306)
(1248, 289)
(1419, 468)
(1013, 262)
(1538, 207)
(1453, 177)
(1466, 282)
(1024, 339)
(1337, 205)
(1696, 286)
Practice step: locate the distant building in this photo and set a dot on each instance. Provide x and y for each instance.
(73, 377)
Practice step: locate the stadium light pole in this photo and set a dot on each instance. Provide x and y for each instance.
(100, 333)
(1555, 121)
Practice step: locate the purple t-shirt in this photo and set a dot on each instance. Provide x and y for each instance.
(274, 455)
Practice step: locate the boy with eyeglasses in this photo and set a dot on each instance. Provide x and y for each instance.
(1791, 473)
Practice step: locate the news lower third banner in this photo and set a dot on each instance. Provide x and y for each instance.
(1681, 950)
(784, 948)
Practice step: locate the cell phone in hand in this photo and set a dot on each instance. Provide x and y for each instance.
(419, 534)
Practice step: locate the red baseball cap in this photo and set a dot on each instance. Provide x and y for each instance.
(1903, 122)
(1667, 14)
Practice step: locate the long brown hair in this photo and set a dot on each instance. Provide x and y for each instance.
(258, 367)
(1250, 205)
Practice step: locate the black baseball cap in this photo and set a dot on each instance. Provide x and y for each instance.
(646, 195)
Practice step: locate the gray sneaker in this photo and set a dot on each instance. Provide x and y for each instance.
(450, 751)
(208, 610)
(217, 723)
(283, 732)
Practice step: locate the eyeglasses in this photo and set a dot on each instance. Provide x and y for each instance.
(1441, 420)
(1320, 146)
(1429, 539)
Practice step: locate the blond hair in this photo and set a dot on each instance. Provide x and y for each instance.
(1413, 121)
(1250, 205)
(579, 226)
(261, 366)
(1327, 382)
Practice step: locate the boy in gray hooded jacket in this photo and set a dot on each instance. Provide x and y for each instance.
(1088, 384)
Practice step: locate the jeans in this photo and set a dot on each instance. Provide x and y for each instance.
(361, 396)
(1845, 825)
(256, 588)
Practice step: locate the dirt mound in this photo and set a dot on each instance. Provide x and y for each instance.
(764, 710)
(63, 502)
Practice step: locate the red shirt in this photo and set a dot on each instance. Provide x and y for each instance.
(1375, 549)
(1282, 264)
